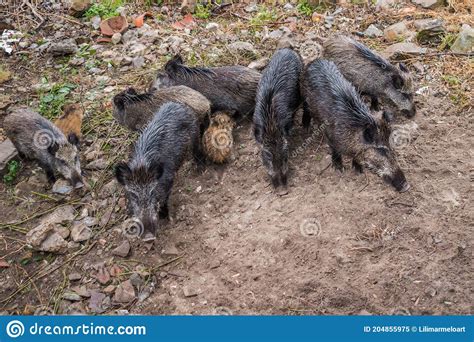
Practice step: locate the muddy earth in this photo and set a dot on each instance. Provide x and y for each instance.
(333, 244)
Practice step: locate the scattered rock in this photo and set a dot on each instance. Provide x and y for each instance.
(116, 38)
(63, 48)
(464, 43)
(288, 7)
(373, 31)
(259, 64)
(124, 293)
(430, 31)
(190, 292)
(384, 4)
(403, 48)
(95, 303)
(72, 296)
(95, 22)
(136, 280)
(429, 3)
(109, 289)
(7, 153)
(78, 7)
(243, 48)
(80, 232)
(137, 49)
(45, 238)
(122, 250)
(170, 250)
(81, 291)
(98, 164)
(62, 187)
(74, 276)
(61, 215)
(251, 8)
(90, 221)
(4, 264)
(212, 26)
(396, 31)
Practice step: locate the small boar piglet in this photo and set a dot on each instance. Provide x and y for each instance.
(38, 139)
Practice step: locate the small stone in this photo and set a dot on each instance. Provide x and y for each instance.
(78, 7)
(63, 48)
(95, 22)
(77, 61)
(62, 187)
(90, 221)
(124, 293)
(429, 3)
(72, 296)
(122, 250)
(7, 153)
(464, 43)
(251, 8)
(74, 276)
(61, 215)
(45, 238)
(80, 232)
(373, 31)
(170, 250)
(190, 292)
(109, 289)
(396, 31)
(212, 26)
(384, 4)
(288, 7)
(98, 164)
(430, 31)
(243, 48)
(259, 64)
(81, 291)
(402, 48)
(116, 38)
(137, 49)
(95, 303)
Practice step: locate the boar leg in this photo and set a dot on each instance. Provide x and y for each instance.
(306, 121)
(49, 173)
(357, 166)
(336, 157)
(164, 212)
(167, 184)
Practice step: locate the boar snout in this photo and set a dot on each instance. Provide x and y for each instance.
(398, 181)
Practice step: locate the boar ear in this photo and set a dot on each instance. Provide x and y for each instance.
(402, 67)
(369, 135)
(122, 172)
(397, 81)
(131, 91)
(119, 101)
(173, 63)
(53, 148)
(73, 139)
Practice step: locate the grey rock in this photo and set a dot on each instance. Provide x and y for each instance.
(212, 26)
(90, 221)
(464, 43)
(98, 164)
(62, 187)
(137, 49)
(96, 302)
(45, 238)
(430, 31)
(129, 36)
(402, 48)
(259, 64)
(80, 232)
(95, 22)
(251, 8)
(77, 61)
(63, 47)
(243, 48)
(7, 153)
(170, 250)
(122, 250)
(288, 7)
(385, 4)
(190, 291)
(373, 31)
(124, 293)
(61, 215)
(72, 296)
(396, 31)
(429, 3)
(74, 276)
(116, 38)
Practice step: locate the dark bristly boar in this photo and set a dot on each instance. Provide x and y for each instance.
(135, 111)
(372, 75)
(36, 138)
(229, 88)
(349, 126)
(278, 97)
(158, 154)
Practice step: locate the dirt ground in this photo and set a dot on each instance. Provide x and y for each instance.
(333, 244)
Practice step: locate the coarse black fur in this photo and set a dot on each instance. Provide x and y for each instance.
(349, 126)
(278, 98)
(158, 154)
(228, 88)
